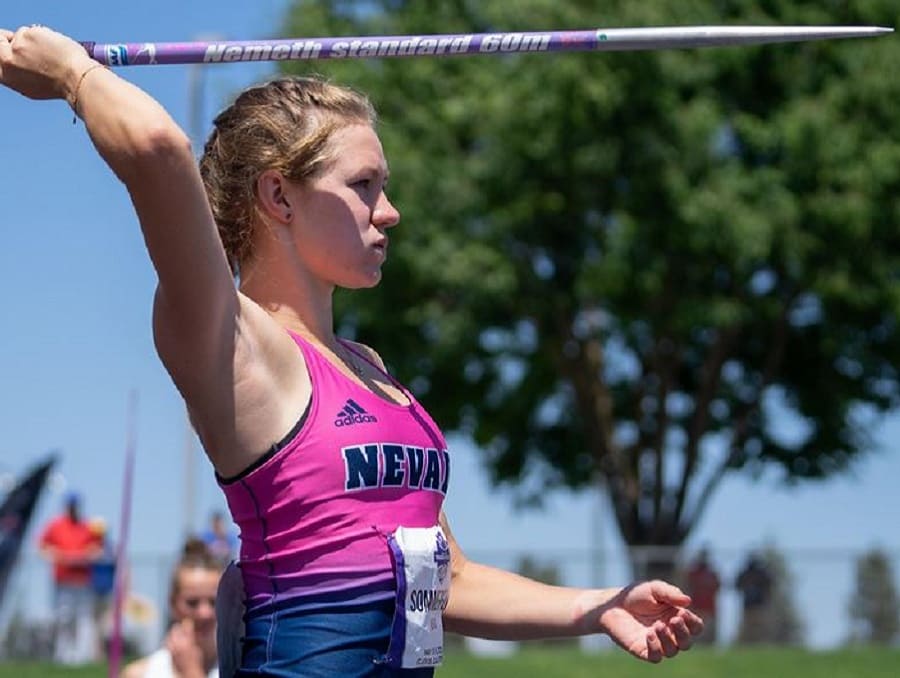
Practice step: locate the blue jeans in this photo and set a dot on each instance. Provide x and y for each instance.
(344, 642)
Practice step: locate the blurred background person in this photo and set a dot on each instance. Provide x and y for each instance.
(703, 585)
(189, 648)
(755, 585)
(220, 538)
(68, 542)
(102, 583)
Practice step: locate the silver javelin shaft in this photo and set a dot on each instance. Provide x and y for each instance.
(720, 36)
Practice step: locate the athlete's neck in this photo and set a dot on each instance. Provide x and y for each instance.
(296, 302)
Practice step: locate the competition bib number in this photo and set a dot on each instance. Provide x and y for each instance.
(421, 558)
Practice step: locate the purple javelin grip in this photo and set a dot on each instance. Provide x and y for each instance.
(370, 47)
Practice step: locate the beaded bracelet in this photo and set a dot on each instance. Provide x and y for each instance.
(74, 103)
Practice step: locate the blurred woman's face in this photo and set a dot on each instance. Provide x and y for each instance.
(195, 599)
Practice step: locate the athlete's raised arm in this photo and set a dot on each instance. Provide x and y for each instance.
(150, 154)
(202, 324)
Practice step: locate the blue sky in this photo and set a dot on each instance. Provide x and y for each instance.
(76, 291)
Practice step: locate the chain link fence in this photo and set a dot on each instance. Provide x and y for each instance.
(817, 586)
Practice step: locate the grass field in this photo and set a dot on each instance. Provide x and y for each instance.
(553, 663)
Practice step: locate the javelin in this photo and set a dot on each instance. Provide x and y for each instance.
(367, 47)
(120, 582)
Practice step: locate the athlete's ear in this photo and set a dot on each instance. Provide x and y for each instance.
(271, 191)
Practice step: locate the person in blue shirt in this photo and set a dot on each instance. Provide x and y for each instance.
(220, 539)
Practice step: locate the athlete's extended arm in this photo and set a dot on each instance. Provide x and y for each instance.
(650, 619)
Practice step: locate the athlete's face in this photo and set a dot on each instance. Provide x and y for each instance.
(340, 229)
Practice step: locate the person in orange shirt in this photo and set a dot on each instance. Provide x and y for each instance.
(71, 546)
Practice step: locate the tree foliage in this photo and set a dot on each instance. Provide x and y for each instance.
(618, 267)
(874, 607)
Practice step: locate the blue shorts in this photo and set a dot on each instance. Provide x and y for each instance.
(349, 642)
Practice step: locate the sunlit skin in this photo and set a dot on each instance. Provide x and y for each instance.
(327, 232)
(340, 234)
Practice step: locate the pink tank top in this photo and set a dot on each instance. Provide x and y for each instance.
(315, 511)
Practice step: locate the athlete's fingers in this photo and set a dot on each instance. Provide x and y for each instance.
(654, 647)
(682, 633)
(665, 592)
(666, 639)
(692, 620)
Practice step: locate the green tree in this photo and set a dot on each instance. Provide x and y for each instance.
(620, 267)
(874, 607)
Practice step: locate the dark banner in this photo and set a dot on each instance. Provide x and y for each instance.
(15, 514)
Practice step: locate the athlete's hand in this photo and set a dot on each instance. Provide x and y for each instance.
(650, 620)
(41, 63)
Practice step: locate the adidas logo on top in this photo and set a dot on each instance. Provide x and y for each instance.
(353, 413)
